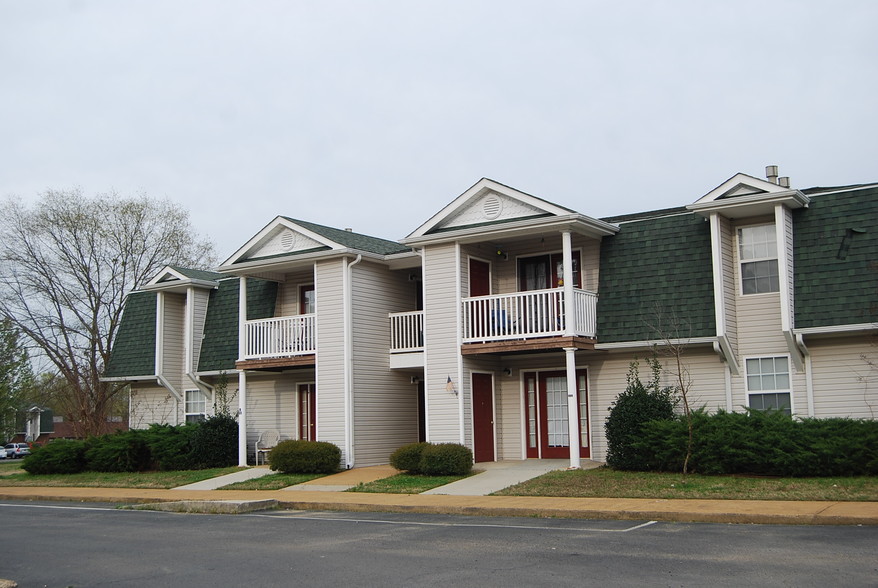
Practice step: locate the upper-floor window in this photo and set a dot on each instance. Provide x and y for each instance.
(195, 406)
(758, 253)
(768, 383)
(306, 299)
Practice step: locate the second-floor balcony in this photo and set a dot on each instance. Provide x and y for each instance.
(505, 317)
(285, 336)
(525, 315)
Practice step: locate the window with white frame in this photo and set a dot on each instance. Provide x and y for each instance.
(757, 247)
(768, 383)
(195, 406)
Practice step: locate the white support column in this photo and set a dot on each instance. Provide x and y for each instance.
(242, 419)
(572, 408)
(242, 377)
(569, 310)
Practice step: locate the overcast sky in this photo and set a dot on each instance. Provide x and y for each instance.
(375, 114)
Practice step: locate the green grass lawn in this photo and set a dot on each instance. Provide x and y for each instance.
(115, 480)
(405, 484)
(607, 483)
(272, 482)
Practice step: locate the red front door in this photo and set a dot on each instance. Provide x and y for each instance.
(547, 425)
(479, 277)
(483, 417)
(308, 412)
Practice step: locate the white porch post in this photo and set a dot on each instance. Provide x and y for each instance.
(569, 311)
(572, 407)
(242, 377)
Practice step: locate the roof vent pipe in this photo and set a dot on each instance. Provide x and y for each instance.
(771, 173)
(784, 181)
(349, 230)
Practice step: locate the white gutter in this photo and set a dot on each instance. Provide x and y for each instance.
(265, 265)
(349, 360)
(422, 253)
(622, 345)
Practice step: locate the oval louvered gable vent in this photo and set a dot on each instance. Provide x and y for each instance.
(492, 207)
(288, 240)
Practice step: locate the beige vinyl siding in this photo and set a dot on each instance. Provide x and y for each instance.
(271, 404)
(330, 352)
(843, 382)
(199, 302)
(174, 350)
(730, 288)
(441, 342)
(151, 403)
(385, 402)
(288, 291)
(607, 378)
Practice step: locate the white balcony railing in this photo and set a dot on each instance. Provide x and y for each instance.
(522, 315)
(283, 336)
(407, 331)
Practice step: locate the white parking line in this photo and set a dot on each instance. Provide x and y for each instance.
(434, 524)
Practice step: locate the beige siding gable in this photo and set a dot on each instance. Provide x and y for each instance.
(489, 207)
(281, 240)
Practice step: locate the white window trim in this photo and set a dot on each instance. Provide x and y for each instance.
(186, 403)
(740, 262)
(789, 390)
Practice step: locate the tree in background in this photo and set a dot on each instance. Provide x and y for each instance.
(68, 261)
(16, 379)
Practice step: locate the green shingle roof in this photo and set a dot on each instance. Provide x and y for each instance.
(836, 259)
(220, 347)
(651, 267)
(133, 351)
(353, 240)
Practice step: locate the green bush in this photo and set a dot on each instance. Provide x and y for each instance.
(638, 404)
(764, 443)
(125, 451)
(58, 457)
(215, 443)
(171, 446)
(408, 457)
(446, 459)
(305, 457)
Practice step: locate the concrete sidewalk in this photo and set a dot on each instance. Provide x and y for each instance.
(709, 511)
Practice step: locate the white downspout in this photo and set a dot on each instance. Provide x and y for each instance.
(349, 361)
(242, 377)
(809, 381)
(189, 345)
(458, 310)
(423, 254)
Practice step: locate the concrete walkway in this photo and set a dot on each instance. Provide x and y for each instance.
(497, 475)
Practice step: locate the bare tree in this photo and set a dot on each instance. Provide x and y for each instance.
(674, 334)
(68, 263)
(16, 380)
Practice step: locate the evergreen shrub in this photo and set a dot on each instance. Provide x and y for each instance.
(408, 457)
(768, 443)
(446, 459)
(215, 443)
(171, 446)
(305, 457)
(58, 457)
(125, 451)
(638, 404)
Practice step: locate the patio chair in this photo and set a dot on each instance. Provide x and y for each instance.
(266, 442)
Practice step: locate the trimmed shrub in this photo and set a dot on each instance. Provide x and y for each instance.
(215, 443)
(170, 446)
(638, 404)
(125, 451)
(305, 457)
(408, 457)
(446, 459)
(764, 443)
(58, 457)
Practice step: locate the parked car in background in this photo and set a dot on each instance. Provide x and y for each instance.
(17, 450)
(3, 453)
